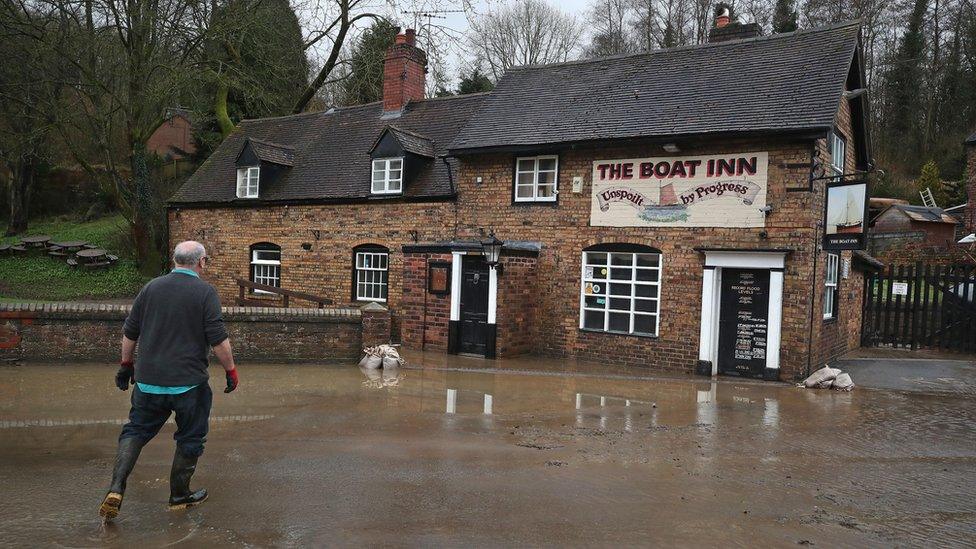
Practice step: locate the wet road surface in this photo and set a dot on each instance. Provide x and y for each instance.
(326, 455)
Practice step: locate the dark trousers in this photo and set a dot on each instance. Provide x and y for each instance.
(149, 412)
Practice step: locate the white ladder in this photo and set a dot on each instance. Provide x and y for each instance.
(927, 199)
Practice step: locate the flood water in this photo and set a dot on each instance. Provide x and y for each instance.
(538, 453)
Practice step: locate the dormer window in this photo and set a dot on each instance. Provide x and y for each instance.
(247, 181)
(388, 175)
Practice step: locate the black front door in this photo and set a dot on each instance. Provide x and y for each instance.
(473, 335)
(743, 321)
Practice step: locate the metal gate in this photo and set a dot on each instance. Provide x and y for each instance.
(921, 306)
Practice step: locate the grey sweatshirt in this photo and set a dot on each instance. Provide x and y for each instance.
(176, 319)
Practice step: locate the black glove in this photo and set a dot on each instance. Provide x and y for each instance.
(232, 380)
(125, 375)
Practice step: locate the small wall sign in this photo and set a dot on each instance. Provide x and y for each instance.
(439, 278)
(899, 288)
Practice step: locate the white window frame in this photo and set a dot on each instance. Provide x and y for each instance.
(366, 277)
(633, 297)
(271, 270)
(382, 167)
(521, 176)
(831, 279)
(837, 162)
(245, 178)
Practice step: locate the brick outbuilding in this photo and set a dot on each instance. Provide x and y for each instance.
(664, 210)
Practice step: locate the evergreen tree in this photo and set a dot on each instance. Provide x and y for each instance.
(475, 82)
(364, 82)
(931, 179)
(901, 135)
(784, 16)
(258, 67)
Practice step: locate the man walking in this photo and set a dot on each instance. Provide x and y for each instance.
(176, 320)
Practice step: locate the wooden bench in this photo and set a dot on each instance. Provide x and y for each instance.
(96, 264)
(112, 258)
(56, 253)
(18, 248)
(72, 263)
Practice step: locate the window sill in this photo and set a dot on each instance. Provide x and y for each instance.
(830, 319)
(607, 332)
(552, 203)
(364, 300)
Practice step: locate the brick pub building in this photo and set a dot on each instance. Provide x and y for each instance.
(662, 210)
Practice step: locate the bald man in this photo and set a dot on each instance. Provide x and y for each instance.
(176, 320)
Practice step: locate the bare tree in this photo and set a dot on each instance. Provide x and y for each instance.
(130, 60)
(332, 23)
(528, 32)
(610, 21)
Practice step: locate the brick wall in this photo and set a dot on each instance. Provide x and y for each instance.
(331, 231)
(563, 229)
(72, 332)
(517, 308)
(906, 248)
(177, 132)
(425, 316)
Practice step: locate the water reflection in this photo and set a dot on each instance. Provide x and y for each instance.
(450, 406)
(70, 422)
(378, 378)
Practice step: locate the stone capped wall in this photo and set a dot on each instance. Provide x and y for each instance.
(69, 332)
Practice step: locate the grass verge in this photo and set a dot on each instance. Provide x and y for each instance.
(37, 277)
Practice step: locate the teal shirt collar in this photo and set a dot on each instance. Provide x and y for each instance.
(185, 271)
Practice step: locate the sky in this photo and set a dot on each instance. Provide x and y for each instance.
(454, 16)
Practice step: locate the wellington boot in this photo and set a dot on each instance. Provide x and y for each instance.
(125, 460)
(180, 496)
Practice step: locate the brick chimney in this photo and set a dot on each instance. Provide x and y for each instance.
(404, 72)
(727, 28)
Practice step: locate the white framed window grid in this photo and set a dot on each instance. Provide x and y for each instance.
(838, 151)
(535, 178)
(247, 182)
(372, 276)
(387, 175)
(266, 268)
(830, 286)
(620, 292)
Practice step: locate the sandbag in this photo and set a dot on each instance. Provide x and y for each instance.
(822, 378)
(390, 362)
(373, 362)
(842, 382)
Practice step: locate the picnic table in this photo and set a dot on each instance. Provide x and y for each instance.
(69, 245)
(4, 249)
(93, 258)
(35, 241)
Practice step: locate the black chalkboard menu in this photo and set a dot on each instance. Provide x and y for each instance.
(743, 321)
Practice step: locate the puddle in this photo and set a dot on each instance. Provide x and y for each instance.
(527, 454)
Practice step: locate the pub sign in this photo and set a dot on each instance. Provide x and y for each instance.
(726, 190)
(845, 214)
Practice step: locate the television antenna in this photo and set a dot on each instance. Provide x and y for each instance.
(429, 15)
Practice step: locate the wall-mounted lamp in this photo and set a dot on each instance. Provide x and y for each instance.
(415, 235)
(492, 248)
(671, 147)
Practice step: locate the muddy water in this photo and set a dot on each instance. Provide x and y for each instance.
(539, 453)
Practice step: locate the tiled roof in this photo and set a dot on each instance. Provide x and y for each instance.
(780, 83)
(331, 153)
(412, 142)
(273, 152)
